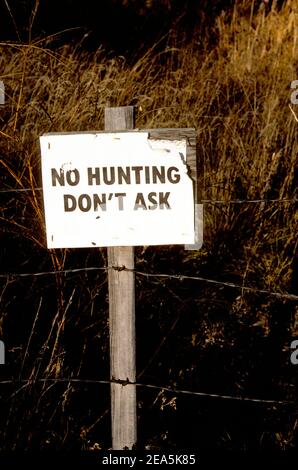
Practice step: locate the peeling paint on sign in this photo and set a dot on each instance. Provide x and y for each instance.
(111, 189)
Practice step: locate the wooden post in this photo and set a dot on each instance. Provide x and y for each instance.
(122, 320)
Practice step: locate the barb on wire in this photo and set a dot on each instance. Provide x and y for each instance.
(176, 391)
(119, 268)
(182, 277)
(179, 277)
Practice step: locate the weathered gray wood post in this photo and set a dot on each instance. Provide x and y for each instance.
(122, 319)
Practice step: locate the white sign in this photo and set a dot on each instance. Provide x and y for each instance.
(116, 189)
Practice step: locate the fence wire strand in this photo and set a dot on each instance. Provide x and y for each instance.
(124, 383)
(179, 277)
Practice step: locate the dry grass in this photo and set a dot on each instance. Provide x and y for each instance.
(236, 96)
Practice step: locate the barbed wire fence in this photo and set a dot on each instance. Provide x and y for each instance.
(179, 277)
(23, 383)
(175, 391)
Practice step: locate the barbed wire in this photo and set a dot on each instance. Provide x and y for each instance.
(48, 273)
(222, 283)
(20, 190)
(177, 391)
(246, 201)
(202, 201)
(179, 277)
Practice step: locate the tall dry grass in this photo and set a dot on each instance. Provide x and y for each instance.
(236, 95)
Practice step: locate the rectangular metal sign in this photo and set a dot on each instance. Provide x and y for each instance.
(116, 189)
